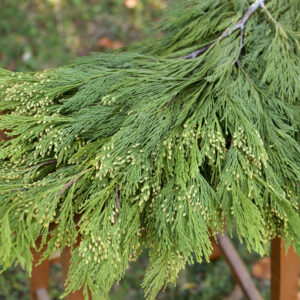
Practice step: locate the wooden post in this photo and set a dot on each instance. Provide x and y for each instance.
(284, 271)
(39, 281)
(216, 253)
(65, 264)
(238, 268)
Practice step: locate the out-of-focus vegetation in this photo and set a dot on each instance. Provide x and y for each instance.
(206, 281)
(39, 34)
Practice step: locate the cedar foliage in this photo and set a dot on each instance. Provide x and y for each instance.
(158, 147)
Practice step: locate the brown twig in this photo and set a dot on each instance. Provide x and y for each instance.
(252, 8)
(71, 182)
(241, 46)
(198, 52)
(239, 25)
(231, 144)
(46, 163)
(172, 99)
(117, 203)
(277, 25)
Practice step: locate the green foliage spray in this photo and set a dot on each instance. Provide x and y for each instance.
(157, 147)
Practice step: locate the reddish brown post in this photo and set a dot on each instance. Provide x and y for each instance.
(284, 272)
(65, 263)
(39, 281)
(216, 253)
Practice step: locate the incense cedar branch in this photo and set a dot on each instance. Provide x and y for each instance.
(157, 152)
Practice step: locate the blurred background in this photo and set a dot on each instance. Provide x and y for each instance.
(40, 34)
